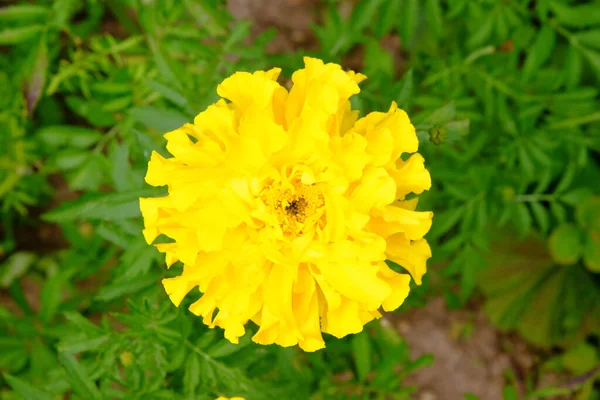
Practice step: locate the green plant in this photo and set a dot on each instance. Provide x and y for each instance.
(503, 95)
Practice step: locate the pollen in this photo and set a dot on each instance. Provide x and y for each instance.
(298, 207)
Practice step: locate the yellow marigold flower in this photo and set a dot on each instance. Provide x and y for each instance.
(230, 398)
(282, 206)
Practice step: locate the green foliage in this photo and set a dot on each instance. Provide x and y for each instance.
(504, 97)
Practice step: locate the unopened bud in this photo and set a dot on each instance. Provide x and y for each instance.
(126, 358)
(438, 135)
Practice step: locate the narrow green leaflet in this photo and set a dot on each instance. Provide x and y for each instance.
(361, 349)
(108, 207)
(26, 390)
(79, 377)
(11, 36)
(539, 52)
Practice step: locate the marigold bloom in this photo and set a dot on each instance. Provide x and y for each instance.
(283, 207)
(231, 398)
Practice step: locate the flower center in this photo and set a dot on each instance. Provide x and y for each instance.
(296, 206)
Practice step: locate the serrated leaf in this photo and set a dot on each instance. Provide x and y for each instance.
(361, 351)
(565, 244)
(539, 52)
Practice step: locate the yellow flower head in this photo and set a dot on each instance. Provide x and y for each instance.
(232, 398)
(283, 206)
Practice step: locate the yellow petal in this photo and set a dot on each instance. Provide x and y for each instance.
(412, 256)
(411, 176)
(393, 219)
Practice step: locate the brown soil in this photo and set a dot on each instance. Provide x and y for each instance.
(467, 350)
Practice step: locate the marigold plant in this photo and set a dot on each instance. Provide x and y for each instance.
(283, 207)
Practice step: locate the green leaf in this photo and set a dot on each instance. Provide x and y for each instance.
(469, 396)
(25, 389)
(89, 176)
(79, 377)
(406, 89)
(165, 65)
(510, 393)
(160, 119)
(191, 377)
(580, 358)
(225, 348)
(540, 52)
(361, 350)
(22, 11)
(13, 36)
(558, 210)
(587, 214)
(422, 362)
(573, 68)
(91, 110)
(119, 289)
(567, 178)
(15, 267)
(591, 253)
(108, 207)
(68, 136)
(168, 93)
(593, 58)
(74, 345)
(363, 14)
(433, 14)
(445, 221)
(523, 219)
(388, 16)
(576, 16)
(34, 84)
(590, 38)
(565, 244)
(576, 196)
(541, 216)
(121, 168)
(408, 20)
(483, 33)
(52, 293)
